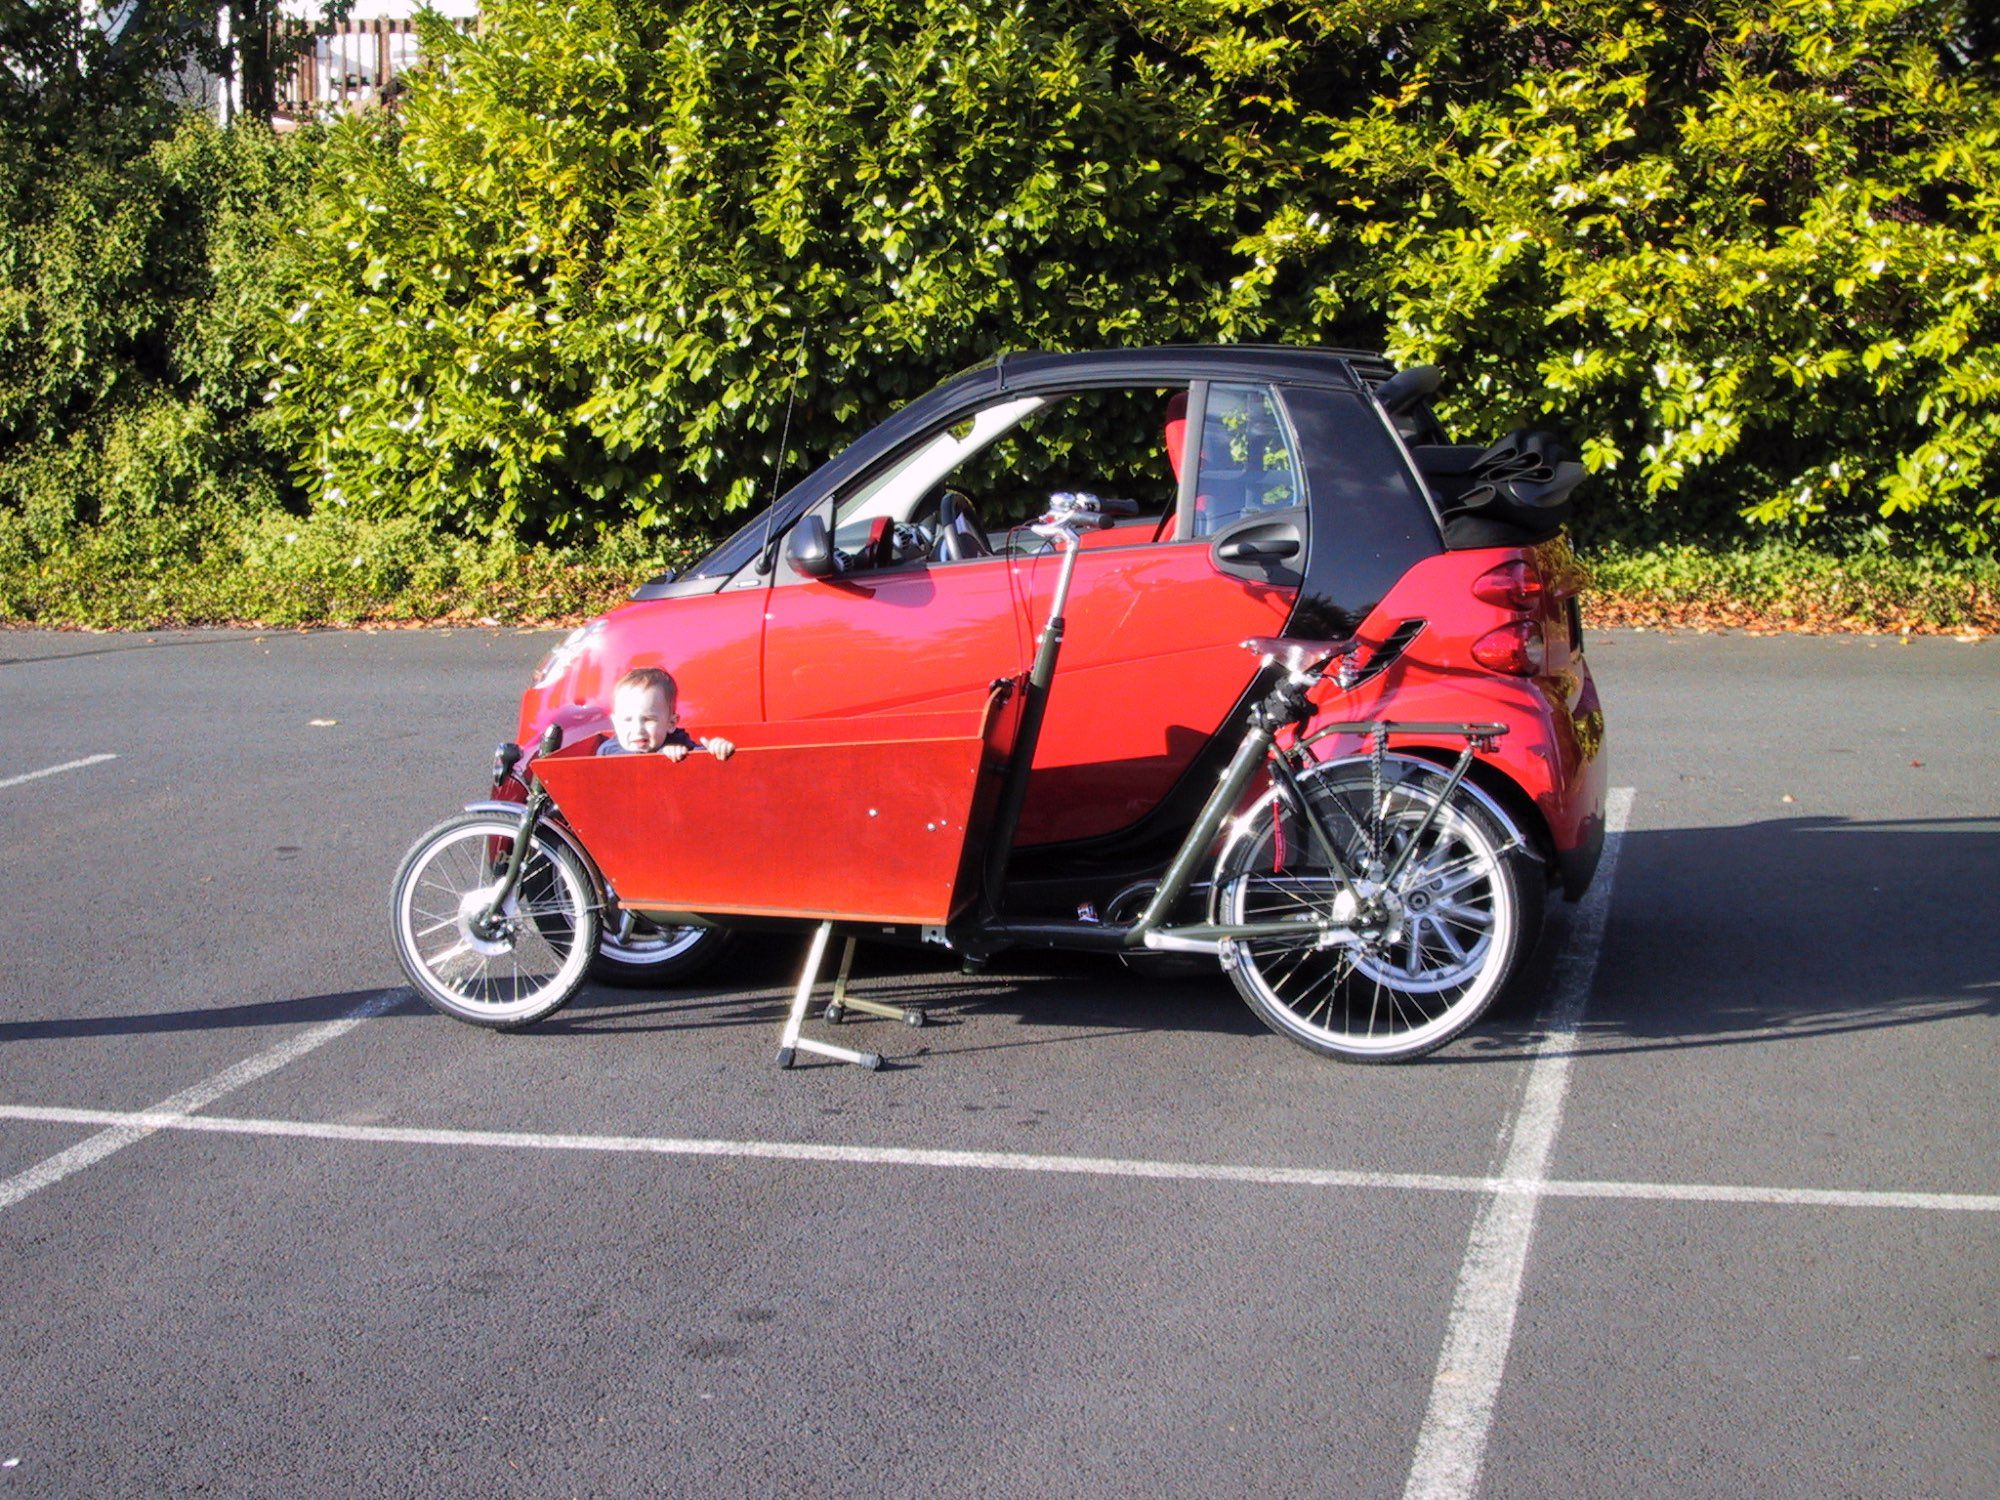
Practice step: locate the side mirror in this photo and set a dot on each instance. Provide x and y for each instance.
(809, 549)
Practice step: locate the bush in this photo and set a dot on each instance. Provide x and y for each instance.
(573, 280)
(129, 364)
(603, 255)
(1746, 250)
(1776, 587)
(331, 568)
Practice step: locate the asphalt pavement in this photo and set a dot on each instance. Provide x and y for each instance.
(1711, 1206)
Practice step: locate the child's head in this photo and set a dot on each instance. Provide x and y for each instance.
(642, 709)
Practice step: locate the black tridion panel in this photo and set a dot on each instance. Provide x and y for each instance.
(1371, 522)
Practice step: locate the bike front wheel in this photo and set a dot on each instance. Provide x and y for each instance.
(513, 968)
(1424, 956)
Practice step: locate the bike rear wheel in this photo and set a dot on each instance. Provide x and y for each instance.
(1455, 925)
(525, 963)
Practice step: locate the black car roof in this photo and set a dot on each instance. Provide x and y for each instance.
(1031, 370)
(1355, 368)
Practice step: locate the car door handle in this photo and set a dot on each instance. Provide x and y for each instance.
(1264, 551)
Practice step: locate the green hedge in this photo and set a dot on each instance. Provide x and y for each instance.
(331, 568)
(1744, 251)
(132, 331)
(575, 279)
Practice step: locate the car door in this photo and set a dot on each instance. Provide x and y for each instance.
(911, 638)
(1152, 665)
(895, 630)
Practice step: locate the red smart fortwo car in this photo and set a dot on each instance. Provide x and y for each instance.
(1279, 492)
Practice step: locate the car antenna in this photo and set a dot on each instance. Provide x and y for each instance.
(764, 558)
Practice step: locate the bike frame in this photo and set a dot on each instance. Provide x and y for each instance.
(1284, 706)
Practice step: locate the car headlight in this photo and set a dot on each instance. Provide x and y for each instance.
(555, 666)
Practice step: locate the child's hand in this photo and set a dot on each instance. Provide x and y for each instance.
(720, 748)
(674, 752)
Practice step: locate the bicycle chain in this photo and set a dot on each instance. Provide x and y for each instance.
(1378, 746)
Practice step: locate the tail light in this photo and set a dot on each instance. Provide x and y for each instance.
(1516, 649)
(1512, 585)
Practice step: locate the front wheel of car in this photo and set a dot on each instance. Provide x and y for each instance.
(634, 954)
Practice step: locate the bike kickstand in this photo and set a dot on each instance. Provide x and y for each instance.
(842, 1002)
(790, 1042)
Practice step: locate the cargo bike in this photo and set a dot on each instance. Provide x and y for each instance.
(1367, 904)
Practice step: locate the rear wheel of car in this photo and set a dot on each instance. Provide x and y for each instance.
(1460, 919)
(635, 954)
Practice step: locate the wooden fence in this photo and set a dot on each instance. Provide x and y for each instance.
(348, 67)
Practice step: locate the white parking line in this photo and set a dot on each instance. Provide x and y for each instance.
(125, 1129)
(1452, 1441)
(68, 765)
(996, 1161)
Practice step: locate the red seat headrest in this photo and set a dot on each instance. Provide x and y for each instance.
(1176, 431)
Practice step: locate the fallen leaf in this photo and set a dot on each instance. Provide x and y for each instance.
(1916, 763)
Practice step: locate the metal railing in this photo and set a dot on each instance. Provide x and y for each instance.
(350, 66)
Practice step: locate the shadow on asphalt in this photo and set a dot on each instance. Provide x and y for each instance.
(121, 646)
(307, 1011)
(1087, 996)
(1770, 932)
(1751, 935)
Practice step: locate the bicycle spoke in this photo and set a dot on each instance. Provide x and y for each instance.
(1332, 978)
(1388, 997)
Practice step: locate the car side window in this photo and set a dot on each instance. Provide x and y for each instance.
(1118, 442)
(1000, 466)
(1247, 465)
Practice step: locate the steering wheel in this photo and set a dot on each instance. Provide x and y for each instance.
(960, 533)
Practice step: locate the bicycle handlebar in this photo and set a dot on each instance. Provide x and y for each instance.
(1064, 505)
(1069, 511)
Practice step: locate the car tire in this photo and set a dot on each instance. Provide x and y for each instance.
(646, 957)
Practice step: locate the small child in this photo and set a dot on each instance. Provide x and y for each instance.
(644, 721)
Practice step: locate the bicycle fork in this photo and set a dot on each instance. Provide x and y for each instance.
(532, 812)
